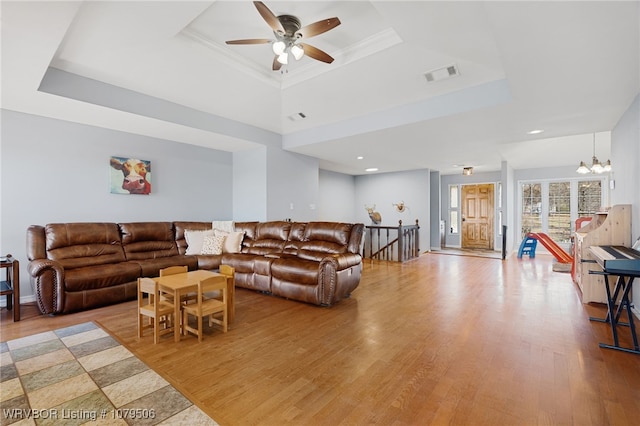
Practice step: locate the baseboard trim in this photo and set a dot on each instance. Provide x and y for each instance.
(23, 299)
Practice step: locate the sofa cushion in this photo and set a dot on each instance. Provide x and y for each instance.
(296, 237)
(180, 227)
(300, 271)
(332, 232)
(232, 241)
(270, 238)
(76, 245)
(249, 229)
(151, 267)
(148, 240)
(212, 244)
(209, 261)
(195, 240)
(100, 276)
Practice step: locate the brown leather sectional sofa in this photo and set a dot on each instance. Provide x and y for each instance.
(79, 266)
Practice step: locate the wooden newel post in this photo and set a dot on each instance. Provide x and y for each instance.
(400, 242)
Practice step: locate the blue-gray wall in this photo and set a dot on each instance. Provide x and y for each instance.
(385, 189)
(56, 171)
(625, 157)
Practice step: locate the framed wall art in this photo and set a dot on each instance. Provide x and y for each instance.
(130, 176)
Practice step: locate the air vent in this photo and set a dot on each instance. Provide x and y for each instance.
(298, 116)
(442, 73)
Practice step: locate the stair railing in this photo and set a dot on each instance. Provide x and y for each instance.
(394, 243)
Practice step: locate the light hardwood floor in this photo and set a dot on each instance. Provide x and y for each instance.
(438, 340)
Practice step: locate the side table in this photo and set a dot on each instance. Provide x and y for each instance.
(10, 286)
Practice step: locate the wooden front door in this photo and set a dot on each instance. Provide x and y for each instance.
(477, 216)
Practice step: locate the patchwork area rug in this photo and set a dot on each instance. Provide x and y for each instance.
(80, 374)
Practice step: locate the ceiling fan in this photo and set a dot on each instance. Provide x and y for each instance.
(289, 31)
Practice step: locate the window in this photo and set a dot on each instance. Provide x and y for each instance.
(559, 217)
(531, 208)
(589, 197)
(553, 206)
(453, 209)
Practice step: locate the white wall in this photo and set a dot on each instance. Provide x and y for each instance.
(335, 197)
(509, 206)
(625, 159)
(385, 189)
(435, 209)
(292, 186)
(56, 171)
(250, 185)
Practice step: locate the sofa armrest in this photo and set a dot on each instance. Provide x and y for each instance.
(342, 261)
(47, 279)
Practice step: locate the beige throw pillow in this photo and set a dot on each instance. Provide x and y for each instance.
(195, 239)
(212, 244)
(232, 241)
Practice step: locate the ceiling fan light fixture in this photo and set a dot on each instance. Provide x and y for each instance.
(283, 58)
(288, 31)
(279, 47)
(297, 52)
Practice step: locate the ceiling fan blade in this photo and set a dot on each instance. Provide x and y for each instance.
(249, 41)
(315, 53)
(269, 17)
(276, 65)
(318, 27)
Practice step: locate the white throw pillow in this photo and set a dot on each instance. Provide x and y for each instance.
(212, 244)
(195, 239)
(223, 225)
(232, 241)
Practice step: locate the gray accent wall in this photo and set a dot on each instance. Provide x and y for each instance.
(56, 171)
(625, 159)
(386, 189)
(336, 201)
(250, 185)
(292, 186)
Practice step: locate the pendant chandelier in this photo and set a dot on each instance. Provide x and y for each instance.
(596, 166)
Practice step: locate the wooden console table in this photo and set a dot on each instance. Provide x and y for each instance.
(10, 286)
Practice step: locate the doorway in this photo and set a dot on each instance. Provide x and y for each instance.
(477, 216)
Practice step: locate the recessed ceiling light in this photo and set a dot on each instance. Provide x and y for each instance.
(535, 132)
(360, 157)
(371, 169)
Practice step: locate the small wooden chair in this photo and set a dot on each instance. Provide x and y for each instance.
(173, 270)
(153, 305)
(207, 307)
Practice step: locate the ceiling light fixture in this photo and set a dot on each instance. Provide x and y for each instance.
(297, 52)
(467, 171)
(289, 33)
(282, 50)
(283, 58)
(596, 166)
(535, 132)
(371, 169)
(279, 47)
